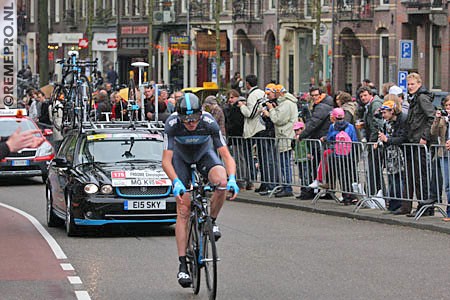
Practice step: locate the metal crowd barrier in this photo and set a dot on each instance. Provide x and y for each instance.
(367, 174)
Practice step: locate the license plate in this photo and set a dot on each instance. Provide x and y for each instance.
(144, 204)
(20, 163)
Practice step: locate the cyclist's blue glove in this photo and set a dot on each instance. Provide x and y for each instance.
(232, 185)
(178, 187)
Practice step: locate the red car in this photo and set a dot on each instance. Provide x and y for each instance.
(29, 161)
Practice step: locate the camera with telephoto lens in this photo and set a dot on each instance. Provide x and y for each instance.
(267, 100)
(444, 113)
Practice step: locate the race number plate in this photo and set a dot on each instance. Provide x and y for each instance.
(20, 163)
(144, 204)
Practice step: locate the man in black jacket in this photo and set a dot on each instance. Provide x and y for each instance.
(420, 118)
(316, 127)
(19, 140)
(234, 126)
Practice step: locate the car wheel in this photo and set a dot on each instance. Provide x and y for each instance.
(52, 219)
(71, 228)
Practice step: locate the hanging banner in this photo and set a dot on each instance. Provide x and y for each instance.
(8, 54)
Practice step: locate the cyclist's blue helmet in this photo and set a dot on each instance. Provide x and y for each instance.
(188, 104)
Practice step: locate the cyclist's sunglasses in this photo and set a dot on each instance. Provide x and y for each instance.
(190, 118)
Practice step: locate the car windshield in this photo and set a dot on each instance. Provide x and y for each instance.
(9, 125)
(123, 150)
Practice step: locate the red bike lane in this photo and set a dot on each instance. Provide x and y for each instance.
(29, 268)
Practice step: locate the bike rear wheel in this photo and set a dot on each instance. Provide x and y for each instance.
(192, 253)
(210, 258)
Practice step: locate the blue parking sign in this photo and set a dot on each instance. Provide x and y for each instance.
(406, 49)
(406, 54)
(402, 80)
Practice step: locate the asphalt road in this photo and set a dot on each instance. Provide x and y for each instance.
(266, 253)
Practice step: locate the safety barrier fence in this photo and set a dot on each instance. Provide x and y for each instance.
(374, 175)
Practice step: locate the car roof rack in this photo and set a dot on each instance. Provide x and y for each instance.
(153, 126)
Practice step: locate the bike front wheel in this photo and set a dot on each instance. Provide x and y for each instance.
(192, 254)
(210, 258)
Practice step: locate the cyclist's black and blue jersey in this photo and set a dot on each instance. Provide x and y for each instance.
(198, 146)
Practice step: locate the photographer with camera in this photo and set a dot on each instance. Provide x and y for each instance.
(253, 127)
(440, 128)
(283, 114)
(265, 145)
(390, 139)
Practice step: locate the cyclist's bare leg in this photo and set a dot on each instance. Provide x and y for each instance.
(218, 175)
(181, 227)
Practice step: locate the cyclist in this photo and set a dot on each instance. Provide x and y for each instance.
(192, 137)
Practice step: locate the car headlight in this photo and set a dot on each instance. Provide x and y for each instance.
(106, 189)
(45, 149)
(91, 188)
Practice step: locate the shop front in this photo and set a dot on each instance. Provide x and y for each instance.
(104, 48)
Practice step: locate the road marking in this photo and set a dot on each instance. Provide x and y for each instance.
(74, 279)
(59, 253)
(82, 295)
(67, 267)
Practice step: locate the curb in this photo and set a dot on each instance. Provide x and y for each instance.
(384, 219)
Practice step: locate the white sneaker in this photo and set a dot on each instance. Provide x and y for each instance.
(216, 232)
(314, 184)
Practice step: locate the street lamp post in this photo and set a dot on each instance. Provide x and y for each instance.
(218, 62)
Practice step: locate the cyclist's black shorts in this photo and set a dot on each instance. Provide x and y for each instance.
(204, 164)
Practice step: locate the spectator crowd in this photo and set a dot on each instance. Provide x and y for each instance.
(267, 129)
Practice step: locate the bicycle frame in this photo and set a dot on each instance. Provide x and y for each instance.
(201, 238)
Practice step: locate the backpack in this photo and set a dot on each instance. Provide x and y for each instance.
(343, 144)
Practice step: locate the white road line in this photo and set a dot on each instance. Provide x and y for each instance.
(59, 253)
(82, 295)
(74, 279)
(67, 267)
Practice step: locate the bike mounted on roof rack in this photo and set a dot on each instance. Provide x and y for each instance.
(71, 99)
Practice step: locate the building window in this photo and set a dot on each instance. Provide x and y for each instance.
(272, 4)
(384, 59)
(136, 8)
(308, 8)
(126, 8)
(57, 19)
(113, 7)
(384, 2)
(436, 57)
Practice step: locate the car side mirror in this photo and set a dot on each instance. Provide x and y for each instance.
(47, 132)
(60, 162)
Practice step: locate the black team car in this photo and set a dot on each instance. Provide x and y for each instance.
(109, 176)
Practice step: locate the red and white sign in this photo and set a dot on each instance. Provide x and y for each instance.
(111, 43)
(83, 43)
(146, 177)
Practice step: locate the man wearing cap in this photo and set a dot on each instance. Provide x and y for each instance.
(397, 91)
(393, 135)
(283, 116)
(266, 147)
(210, 105)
